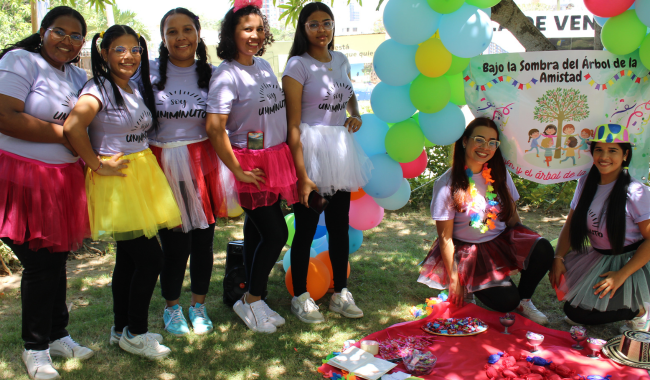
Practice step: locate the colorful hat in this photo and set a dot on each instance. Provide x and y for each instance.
(611, 133)
(631, 349)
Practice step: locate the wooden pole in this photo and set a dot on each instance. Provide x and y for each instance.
(34, 16)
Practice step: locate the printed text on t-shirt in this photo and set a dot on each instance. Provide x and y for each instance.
(337, 97)
(271, 93)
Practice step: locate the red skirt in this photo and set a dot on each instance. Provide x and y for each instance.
(482, 265)
(277, 164)
(42, 204)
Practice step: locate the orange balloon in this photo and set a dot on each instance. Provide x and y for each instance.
(318, 279)
(325, 258)
(357, 194)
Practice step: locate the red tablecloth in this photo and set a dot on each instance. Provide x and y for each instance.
(463, 358)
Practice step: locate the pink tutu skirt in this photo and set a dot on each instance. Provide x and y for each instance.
(277, 163)
(201, 198)
(482, 265)
(42, 204)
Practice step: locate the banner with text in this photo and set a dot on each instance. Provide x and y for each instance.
(547, 105)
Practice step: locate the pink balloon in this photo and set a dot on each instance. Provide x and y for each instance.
(416, 167)
(608, 8)
(365, 213)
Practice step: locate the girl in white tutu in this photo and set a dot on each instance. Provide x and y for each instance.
(607, 280)
(328, 159)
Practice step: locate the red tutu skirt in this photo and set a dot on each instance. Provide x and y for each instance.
(42, 204)
(205, 167)
(277, 163)
(482, 265)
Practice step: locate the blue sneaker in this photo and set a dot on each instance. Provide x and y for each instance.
(175, 322)
(200, 320)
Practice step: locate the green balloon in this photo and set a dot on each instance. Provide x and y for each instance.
(624, 33)
(644, 51)
(458, 64)
(416, 117)
(289, 219)
(457, 89)
(404, 141)
(445, 6)
(430, 95)
(483, 3)
(427, 143)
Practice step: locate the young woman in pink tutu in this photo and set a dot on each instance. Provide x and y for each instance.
(481, 241)
(247, 125)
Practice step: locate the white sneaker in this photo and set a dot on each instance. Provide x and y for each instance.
(528, 310)
(306, 309)
(145, 345)
(254, 316)
(641, 323)
(68, 348)
(39, 365)
(275, 318)
(343, 303)
(115, 337)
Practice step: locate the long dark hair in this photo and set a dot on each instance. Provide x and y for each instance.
(460, 182)
(203, 68)
(102, 73)
(33, 43)
(227, 48)
(300, 41)
(615, 206)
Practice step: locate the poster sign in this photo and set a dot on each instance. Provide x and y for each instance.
(547, 105)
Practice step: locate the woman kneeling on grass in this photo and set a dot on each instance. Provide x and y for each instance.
(481, 240)
(609, 279)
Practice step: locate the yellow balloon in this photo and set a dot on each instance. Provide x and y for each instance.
(432, 58)
(235, 212)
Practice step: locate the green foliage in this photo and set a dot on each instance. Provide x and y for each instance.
(15, 21)
(553, 196)
(561, 104)
(439, 160)
(283, 34)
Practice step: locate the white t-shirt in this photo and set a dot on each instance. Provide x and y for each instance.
(49, 94)
(252, 99)
(637, 209)
(325, 92)
(180, 107)
(442, 209)
(114, 131)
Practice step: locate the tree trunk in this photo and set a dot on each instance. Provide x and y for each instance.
(509, 16)
(598, 43)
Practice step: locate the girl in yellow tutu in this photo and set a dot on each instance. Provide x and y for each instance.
(129, 198)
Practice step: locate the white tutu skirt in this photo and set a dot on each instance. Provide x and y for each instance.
(334, 159)
(583, 272)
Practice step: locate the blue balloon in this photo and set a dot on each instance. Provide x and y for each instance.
(320, 245)
(397, 200)
(488, 11)
(392, 104)
(394, 63)
(467, 32)
(355, 238)
(642, 11)
(320, 232)
(602, 20)
(386, 177)
(443, 127)
(372, 134)
(410, 22)
(321, 218)
(286, 260)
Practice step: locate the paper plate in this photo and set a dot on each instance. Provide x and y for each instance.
(424, 327)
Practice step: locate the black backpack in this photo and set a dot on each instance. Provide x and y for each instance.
(234, 282)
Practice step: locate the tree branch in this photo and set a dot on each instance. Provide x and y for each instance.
(509, 16)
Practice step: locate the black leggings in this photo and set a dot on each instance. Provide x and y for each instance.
(265, 234)
(505, 299)
(595, 317)
(336, 221)
(42, 293)
(177, 247)
(137, 265)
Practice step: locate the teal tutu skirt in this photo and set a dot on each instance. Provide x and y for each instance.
(583, 272)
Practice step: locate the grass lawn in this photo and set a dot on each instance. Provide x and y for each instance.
(383, 281)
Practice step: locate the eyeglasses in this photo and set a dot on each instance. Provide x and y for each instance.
(59, 35)
(492, 144)
(315, 25)
(121, 50)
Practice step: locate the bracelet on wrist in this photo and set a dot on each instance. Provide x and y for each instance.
(559, 257)
(356, 117)
(101, 165)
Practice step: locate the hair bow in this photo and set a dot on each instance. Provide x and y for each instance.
(101, 35)
(239, 4)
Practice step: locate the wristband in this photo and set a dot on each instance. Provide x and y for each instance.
(559, 257)
(101, 165)
(357, 117)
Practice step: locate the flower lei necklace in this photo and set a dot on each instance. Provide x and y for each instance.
(473, 207)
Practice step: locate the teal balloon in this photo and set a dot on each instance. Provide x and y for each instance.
(355, 237)
(391, 103)
(372, 134)
(443, 127)
(320, 232)
(386, 177)
(642, 8)
(319, 245)
(394, 63)
(397, 200)
(467, 32)
(286, 260)
(410, 22)
(602, 20)
(488, 11)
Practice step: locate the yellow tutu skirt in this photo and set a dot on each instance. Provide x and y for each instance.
(139, 204)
